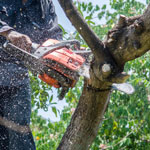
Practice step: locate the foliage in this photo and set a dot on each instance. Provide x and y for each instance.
(126, 122)
(48, 134)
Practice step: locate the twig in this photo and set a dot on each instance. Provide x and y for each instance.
(108, 147)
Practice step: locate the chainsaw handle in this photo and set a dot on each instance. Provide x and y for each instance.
(42, 51)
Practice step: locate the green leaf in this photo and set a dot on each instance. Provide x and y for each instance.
(104, 7)
(101, 14)
(97, 8)
(64, 32)
(88, 18)
(51, 99)
(54, 111)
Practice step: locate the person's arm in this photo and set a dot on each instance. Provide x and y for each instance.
(16, 38)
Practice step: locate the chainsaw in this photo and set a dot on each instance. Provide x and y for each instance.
(57, 64)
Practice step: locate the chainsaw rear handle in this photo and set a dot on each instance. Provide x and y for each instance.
(44, 50)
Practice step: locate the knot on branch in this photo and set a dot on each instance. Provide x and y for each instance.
(106, 70)
(122, 21)
(137, 28)
(116, 32)
(109, 75)
(113, 37)
(135, 23)
(132, 19)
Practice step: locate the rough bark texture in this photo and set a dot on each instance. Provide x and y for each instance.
(128, 40)
(85, 121)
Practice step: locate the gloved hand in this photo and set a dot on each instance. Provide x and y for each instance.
(20, 40)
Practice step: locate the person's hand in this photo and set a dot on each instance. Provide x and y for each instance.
(20, 40)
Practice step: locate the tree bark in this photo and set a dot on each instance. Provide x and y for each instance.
(86, 119)
(128, 40)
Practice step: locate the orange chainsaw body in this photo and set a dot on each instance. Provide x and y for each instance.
(62, 59)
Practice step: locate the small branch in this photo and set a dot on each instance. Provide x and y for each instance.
(108, 147)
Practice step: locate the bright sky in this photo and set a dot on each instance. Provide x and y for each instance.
(62, 19)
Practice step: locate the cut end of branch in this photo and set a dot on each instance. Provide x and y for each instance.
(106, 70)
(122, 21)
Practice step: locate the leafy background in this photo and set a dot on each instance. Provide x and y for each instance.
(126, 122)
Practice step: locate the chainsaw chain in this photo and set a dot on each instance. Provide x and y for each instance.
(62, 69)
(62, 80)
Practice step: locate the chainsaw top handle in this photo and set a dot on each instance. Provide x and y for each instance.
(44, 50)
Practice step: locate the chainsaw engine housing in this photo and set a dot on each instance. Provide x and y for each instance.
(64, 61)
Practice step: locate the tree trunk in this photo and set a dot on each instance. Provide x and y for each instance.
(86, 120)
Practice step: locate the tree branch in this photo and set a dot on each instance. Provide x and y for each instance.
(88, 35)
(130, 39)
